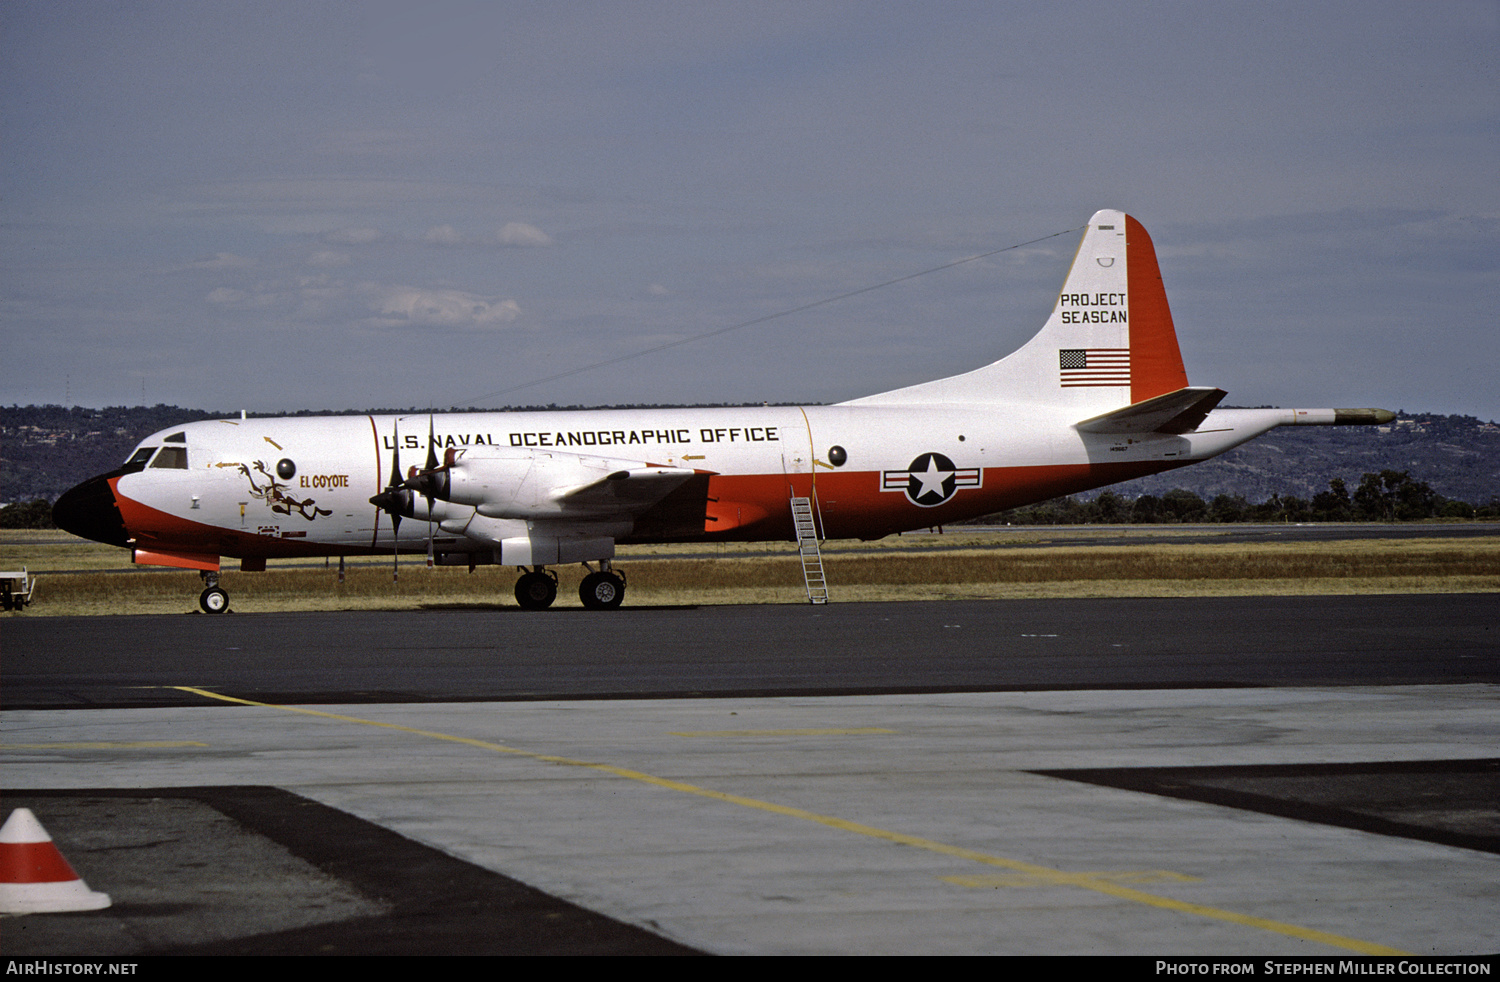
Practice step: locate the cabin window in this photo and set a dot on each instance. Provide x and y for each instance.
(172, 457)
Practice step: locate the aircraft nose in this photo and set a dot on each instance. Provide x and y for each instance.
(90, 511)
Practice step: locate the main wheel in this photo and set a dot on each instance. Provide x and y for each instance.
(536, 591)
(213, 600)
(601, 591)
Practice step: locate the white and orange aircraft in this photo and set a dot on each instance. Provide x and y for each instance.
(1098, 396)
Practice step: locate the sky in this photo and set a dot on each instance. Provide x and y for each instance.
(287, 206)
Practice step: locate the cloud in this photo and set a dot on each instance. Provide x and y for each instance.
(222, 260)
(410, 305)
(337, 303)
(521, 234)
(352, 236)
(227, 296)
(510, 235)
(327, 258)
(443, 235)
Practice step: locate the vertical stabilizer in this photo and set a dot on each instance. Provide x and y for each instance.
(1109, 342)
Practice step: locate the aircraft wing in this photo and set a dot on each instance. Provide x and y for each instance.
(625, 492)
(548, 484)
(1175, 412)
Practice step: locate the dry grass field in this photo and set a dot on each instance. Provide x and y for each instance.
(1011, 563)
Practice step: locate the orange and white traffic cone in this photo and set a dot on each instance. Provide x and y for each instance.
(34, 876)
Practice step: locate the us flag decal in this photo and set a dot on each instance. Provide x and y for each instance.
(1093, 366)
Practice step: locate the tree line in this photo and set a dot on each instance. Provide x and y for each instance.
(1389, 496)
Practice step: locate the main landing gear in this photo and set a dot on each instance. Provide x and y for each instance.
(603, 589)
(213, 600)
(537, 589)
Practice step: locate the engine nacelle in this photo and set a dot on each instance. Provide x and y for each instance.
(520, 483)
(439, 511)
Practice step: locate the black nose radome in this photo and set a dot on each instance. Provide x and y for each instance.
(90, 511)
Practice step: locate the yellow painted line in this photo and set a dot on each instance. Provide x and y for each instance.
(851, 731)
(1026, 880)
(1044, 874)
(105, 745)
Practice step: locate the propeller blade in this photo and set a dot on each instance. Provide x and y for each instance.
(392, 500)
(431, 465)
(392, 494)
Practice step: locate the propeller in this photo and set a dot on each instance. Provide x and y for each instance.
(394, 500)
(432, 481)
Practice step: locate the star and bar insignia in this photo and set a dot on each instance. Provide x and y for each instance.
(931, 480)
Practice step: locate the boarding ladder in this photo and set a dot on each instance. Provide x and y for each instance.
(807, 549)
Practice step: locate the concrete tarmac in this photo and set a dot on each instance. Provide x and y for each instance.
(1337, 818)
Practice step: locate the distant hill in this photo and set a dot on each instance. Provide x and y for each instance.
(44, 450)
(1457, 456)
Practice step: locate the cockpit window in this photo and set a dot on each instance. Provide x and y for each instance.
(175, 438)
(173, 457)
(139, 458)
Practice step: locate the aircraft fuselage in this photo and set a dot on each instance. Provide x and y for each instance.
(268, 487)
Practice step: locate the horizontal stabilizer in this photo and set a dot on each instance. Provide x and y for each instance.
(1176, 412)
